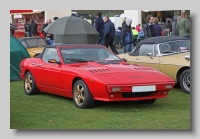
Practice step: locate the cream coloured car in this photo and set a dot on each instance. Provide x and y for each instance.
(168, 54)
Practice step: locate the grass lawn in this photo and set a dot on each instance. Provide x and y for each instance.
(46, 111)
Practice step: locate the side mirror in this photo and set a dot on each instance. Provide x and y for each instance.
(125, 60)
(53, 61)
(150, 54)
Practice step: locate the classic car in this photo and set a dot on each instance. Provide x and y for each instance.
(168, 54)
(91, 72)
(34, 45)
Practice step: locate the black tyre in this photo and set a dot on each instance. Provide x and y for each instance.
(149, 101)
(30, 87)
(185, 81)
(82, 96)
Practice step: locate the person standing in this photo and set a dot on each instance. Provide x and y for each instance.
(183, 26)
(109, 34)
(127, 36)
(157, 27)
(149, 29)
(174, 29)
(167, 32)
(47, 35)
(33, 28)
(138, 27)
(99, 25)
(135, 35)
(27, 30)
(117, 39)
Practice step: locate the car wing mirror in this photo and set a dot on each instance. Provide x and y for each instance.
(150, 55)
(53, 61)
(124, 59)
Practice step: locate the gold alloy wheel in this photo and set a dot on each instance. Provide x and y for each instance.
(28, 83)
(79, 94)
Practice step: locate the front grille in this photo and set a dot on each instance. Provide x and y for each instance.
(137, 94)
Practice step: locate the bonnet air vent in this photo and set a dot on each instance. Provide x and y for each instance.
(99, 70)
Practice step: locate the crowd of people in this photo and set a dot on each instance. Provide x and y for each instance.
(128, 36)
(125, 36)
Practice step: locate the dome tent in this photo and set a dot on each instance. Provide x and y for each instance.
(17, 54)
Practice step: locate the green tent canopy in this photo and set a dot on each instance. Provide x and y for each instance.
(17, 53)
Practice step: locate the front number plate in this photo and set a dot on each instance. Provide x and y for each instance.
(143, 88)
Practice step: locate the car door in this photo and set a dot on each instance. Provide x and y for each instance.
(49, 74)
(142, 59)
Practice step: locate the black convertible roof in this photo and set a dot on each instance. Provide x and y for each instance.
(161, 39)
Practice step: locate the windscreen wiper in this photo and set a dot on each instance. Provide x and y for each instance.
(77, 60)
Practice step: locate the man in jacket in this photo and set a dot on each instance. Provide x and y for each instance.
(33, 28)
(99, 25)
(47, 35)
(109, 34)
(149, 29)
(183, 26)
(127, 32)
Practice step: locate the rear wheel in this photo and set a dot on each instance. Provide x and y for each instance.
(185, 81)
(149, 101)
(82, 96)
(30, 87)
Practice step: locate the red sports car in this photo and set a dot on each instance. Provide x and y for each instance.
(91, 72)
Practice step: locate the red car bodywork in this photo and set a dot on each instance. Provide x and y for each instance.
(59, 78)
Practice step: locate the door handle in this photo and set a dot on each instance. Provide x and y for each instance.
(39, 65)
(137, 58)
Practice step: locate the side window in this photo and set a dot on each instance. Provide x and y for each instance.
(164, 47)
(50, 53)
(145, 48)
(24, 43)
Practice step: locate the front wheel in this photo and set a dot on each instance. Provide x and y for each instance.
(30, 87)
(185, 81)
(149, 101)
(82, 96)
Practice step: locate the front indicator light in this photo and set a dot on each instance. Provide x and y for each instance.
(116, 89)
(168, 86)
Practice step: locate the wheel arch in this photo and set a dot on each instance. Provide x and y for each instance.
(74, 80)
(26, 71)
(179, 73)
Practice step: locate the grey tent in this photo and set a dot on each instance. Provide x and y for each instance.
(72, 30)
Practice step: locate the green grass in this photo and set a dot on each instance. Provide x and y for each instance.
(46, 111)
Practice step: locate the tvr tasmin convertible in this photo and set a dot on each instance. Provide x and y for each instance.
(91, 72)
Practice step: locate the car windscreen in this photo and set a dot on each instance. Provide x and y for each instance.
(98, 54)
(36, 42)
